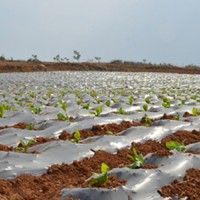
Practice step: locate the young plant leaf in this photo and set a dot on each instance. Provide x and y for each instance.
(149, 121)
(109, 133)
(63, 105)
(104, 168)
(77, 136)
(86, 106)
(97, 112)
(138, 160)
(176, 145)
(195, 111)
(30, 127)
(1, 110)
(145, 107)
(62, 116)
(108, 103)
(148, 101)
(131, 100)
(121, 111)
(101, 178)
(25, 145)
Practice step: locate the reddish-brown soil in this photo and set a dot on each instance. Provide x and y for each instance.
(151, 146)
(42, 140)
(98, 130)
(189, 187)
(19, 125)
(58, 176)
(5, 148)
(183, 136)
(165, 116)
(187, 114)
(23, 66)
(49, 185)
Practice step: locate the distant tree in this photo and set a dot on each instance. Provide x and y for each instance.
(57, 58)
(116, 61)
(192, 66)
(98, 59)
(77, 55)
(2, 58)
(34, 57)
(144, 60)
(66, 59)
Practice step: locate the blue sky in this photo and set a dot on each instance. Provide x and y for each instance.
(160, 31)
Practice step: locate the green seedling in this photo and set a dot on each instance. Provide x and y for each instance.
(63, 105)
(5, 106)
(25, 145)
(193, 97)
(131, 100)
(93, 94)
(98, 100)
(108, 103)
(4, 95)
(154, 92)
(62, 116)
(114, 100)
(148, 120)
(2, 109)
(30, 127)
(97, 112)
(177, 117)
(20, 103)
(145, 107)
(79, 102)
(138, 160)
(101, 178)
(12, 108)
(62, 93)
(109, 133)
(78, 94)
(49, 93)
(183, 102)
(32, 94)
(77, 136)
(36, 110)
(56, 105)
(86, 106)
(195, 111)
(166, 103)
(148, 101)
(121, 111)
(176, 145)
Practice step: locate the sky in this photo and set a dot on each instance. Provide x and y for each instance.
(159, 31)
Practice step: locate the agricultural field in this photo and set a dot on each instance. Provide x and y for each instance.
(99, 135)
